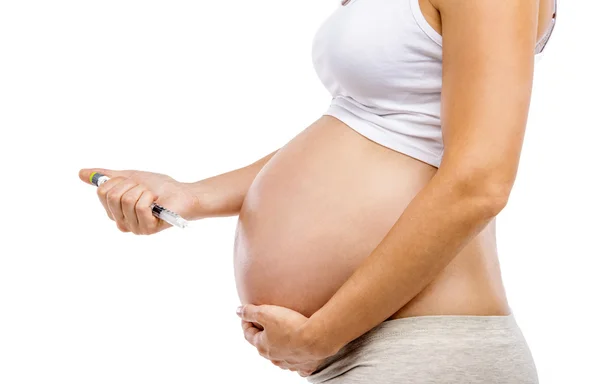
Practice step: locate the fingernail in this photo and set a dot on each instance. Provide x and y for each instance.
(238, 311)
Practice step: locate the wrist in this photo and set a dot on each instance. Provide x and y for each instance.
(201, 200)
(317, 339)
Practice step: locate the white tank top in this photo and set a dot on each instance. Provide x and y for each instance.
(382, 63)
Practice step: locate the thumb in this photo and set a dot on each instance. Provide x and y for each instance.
(85, 174)
(253, 313)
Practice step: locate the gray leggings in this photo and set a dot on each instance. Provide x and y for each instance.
(434, 350)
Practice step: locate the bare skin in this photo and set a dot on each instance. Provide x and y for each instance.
(313, 211)
(433, 17)
(318, 209)
(486, 89)
(322, 204)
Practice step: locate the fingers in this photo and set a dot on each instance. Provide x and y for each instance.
(250, 333)
(129, 201)
(113, 201)
(302, 370)
(102, 193)
(306, 369)
(254, 335)
(246, 325)
(148, 224)
(250, 315)
(129, 205)
(254, 313)
(283, 365)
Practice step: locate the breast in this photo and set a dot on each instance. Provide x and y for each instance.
(373, 50)
(315, 211)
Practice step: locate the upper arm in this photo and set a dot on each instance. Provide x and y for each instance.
(487, 74)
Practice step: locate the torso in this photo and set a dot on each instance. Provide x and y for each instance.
(324, 202)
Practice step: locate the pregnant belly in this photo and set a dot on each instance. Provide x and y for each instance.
(319, 207)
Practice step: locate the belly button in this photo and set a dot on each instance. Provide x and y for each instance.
(344, 2)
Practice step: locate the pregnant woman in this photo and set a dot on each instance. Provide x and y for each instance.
(365, 250)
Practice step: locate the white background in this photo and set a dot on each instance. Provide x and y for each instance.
(197, 88)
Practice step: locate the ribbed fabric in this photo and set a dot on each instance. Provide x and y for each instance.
(434, 350)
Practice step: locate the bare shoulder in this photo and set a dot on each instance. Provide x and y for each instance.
(545, 10)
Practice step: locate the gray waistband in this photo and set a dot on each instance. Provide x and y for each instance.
(428, 349)
(443, 323)
(438, 327)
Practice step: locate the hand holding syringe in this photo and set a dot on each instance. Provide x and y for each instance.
(160, 212)
(129, 199)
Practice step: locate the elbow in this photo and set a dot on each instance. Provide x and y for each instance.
(487, 192)
(494, 198)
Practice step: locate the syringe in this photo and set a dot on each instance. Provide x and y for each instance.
(161, 212)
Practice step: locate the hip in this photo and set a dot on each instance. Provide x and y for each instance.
(448, 349)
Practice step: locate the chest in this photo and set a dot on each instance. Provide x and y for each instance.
(373, 46)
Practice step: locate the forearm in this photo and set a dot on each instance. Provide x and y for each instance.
(435, 226)
(223, 195)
